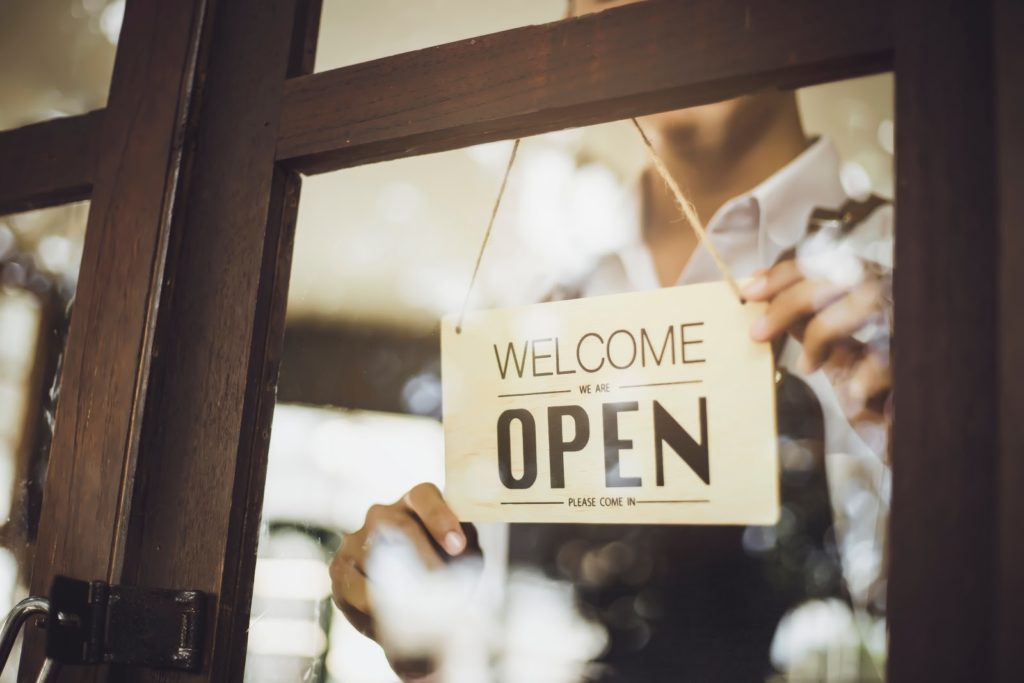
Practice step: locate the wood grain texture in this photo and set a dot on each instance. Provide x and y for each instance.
(48, 163)
(108, 348)
(201, 471)
(185, 513)
(633, 60)
(945, 488)
(1009, 68)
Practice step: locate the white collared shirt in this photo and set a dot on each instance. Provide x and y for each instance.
(751, 231)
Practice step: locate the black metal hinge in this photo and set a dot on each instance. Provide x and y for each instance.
(93, 622)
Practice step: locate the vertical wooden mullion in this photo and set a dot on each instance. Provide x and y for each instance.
(942, 600)
(248, 493)
(106, 362)
(1009, 102)
(202, 463)
(159, 454)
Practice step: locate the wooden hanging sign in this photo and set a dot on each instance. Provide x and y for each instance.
(646, 408)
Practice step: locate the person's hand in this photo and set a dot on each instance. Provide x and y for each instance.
(824, 316)
(424, 517)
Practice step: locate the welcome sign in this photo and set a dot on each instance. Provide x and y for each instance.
(648, 408)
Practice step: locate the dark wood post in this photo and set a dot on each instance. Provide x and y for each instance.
(106, 364)
(945, 533)
(203, 453)
(160, 449)
(1009, 98)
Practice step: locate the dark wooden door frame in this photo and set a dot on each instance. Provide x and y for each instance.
(630, 61)
(157, 468)
(49, 163)
(158, 464)
(1008, 54)
(110, 340)
(943, 595)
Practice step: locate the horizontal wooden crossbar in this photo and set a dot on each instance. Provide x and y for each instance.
(627, 61)
(48, 163)
(633, 60)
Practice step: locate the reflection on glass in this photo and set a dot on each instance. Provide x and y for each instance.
(352, 32)
(39, 257)
(56, 57)
(322, 484)
(383, 251)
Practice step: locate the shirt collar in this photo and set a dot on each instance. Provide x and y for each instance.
(787, 198)
(783, 203)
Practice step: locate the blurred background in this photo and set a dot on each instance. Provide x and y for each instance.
(382, 251)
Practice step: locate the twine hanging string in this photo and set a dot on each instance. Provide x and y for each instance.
(685, 206)
(689, 212)
(487, 235)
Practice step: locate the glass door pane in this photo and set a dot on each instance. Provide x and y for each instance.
(56, 57)
(352, 32)
(383, 251)
(40, 253)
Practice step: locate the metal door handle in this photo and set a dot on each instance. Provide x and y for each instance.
(19, 614)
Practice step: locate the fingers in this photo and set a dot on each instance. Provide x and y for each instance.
(837, 321)
(422, 517)
(871, 378)
(348, 568)
(862, 378)
(385, 519)
(791, 306)
(770, 281)
(348, 584)
(426, 502)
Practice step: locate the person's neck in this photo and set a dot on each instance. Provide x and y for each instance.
(710, 180)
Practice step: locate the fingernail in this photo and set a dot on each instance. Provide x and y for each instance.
(454, 543)
(755, 286)
(759, 329)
